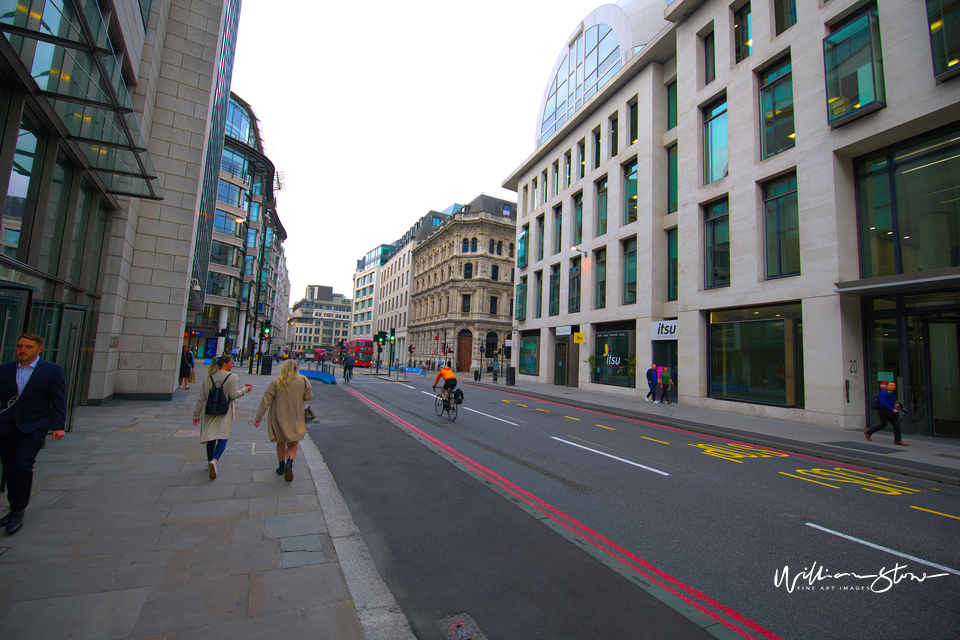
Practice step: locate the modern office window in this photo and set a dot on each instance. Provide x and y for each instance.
(582, 150)
(944, 20)
(854, 69)
(573, 299)
(558, 229)
(467, 271)
(602, 207)
(715, 146)
(673, 179)
(544, 185)
(596, 148)
(600, 281)
(569, 168)
(538, 293)
(465, 303)
(494, 273)
(671, 105)
(776, 106)
(554, 309)
(578, 218)
(782, 227)
(541, 230)
(630, 193)
(629, 270)
(522, 246)
(493, 305)
(673, 265)
(716, 237)
(614, 136)
(521, 297)
(742, 33)
(709, 59)
(634, 123)
(785, 14)
(556, 178)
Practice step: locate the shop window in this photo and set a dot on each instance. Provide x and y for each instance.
(717, 244)
(854, 69)
(776, 106)
(529, 352)
(611, 358)
(944, 19)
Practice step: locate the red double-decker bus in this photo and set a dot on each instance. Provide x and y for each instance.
(362, 352)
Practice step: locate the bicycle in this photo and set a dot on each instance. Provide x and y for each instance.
(347, 375)
(451, 408)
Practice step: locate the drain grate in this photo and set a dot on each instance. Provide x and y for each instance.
(461, 627)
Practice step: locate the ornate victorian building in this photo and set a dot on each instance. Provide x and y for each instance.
(461, 306)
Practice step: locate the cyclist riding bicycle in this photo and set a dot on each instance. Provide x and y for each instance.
(449, 384)
(347, 367)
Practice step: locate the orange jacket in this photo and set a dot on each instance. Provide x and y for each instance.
(446, 374)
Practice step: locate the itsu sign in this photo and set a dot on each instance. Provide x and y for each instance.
(663, 330)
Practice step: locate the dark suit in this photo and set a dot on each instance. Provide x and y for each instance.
(41, 407)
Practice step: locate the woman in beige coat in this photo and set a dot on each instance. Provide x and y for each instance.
(285, 397)
(214, 430)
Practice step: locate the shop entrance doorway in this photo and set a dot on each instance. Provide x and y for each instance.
(945, 376)
(665, 356)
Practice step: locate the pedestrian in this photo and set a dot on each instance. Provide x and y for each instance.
(652, 382)
(285, 397)
(665, 384)
(33, 394)
(186, 367)
(214, 430)
(890, 411)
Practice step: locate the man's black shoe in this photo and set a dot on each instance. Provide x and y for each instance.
(5, 520)
(15, 523)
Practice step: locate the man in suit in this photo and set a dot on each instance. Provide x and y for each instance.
(33, 401)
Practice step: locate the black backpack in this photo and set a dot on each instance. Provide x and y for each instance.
(458, 396)
(217, 403)
(875, 402)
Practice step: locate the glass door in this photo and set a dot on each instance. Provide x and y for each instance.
(944, 340)
(13, 308)
(560, 367)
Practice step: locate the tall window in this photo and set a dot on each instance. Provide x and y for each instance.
(536, 201)
(785, 14)
(544, 190)
(465, 303)
(614, 136)
(715, 160)
(673, 180)
(776, 104)
(467, 271)
(944, 19)
(630, 270)
(521, 296)
(782, 227)
(582, 151)
(495, 272)
(493, 305)
(541, 223)
(716, 236)
(573, 304)
(634, 123)
(854, 68)
(569, 168)
(671, 105)
(596, 149)
(630, 193)
(538, 293)
(602, 207)
(600, 283)
(473, 245)
(499, 247)
(558, 229)
(709, 59)
(673, 265)
(578, 219)
(742, 33)
(522, 244)
(554, 290)
(556, 177)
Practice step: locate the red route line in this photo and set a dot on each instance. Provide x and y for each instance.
(612, 549)
(683, 431)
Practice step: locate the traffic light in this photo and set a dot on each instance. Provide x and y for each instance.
(266, 330)
(392, 338)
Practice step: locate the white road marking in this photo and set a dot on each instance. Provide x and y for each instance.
(574, 444)
(406, 385)
(487, 415)
(880, 548)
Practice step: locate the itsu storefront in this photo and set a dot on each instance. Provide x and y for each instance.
(663, 337)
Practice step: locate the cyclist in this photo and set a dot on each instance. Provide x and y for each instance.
(348, 367)
(449, 384)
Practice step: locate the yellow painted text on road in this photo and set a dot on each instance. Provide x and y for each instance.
(936, 512)
(732, 451)
(867, 481)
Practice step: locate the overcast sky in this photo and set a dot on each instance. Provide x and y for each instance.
(378, 112)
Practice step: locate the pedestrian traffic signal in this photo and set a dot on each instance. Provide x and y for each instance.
(266, 330)
(392, 338)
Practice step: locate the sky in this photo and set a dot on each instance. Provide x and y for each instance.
(378, 112)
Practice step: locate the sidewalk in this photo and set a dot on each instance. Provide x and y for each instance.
(927, 457)
(126, 537)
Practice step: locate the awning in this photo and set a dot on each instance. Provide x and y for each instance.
(916, 282)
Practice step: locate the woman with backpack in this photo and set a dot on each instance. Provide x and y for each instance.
(214, 412)
(285, 397)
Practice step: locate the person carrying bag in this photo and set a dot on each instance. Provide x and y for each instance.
(285, 397)
(215, 426)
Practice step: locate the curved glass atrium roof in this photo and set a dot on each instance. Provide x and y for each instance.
(590, 62)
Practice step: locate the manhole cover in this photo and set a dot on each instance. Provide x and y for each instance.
(461, 627)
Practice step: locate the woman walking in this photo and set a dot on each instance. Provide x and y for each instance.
(285, 397)
(214, 430)
(186, 367)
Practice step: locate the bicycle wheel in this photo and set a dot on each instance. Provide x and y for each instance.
(439, 405)
(452, 412)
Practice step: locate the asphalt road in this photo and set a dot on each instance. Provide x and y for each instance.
(716, 530)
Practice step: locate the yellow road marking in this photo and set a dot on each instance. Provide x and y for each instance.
(936, 512)
(867, 481)
(808, 480)
(660, 441)
(507, 401)
(603, 427)
(572, 418)
(522, 405)
(544, 410)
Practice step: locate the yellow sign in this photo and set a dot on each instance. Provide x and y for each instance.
(578, 338)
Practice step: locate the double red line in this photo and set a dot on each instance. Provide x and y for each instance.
(703, 603)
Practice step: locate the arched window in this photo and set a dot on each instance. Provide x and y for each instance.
(473, 246)
(466, 245)
(491, 245)
(499, 248)
(468, 271)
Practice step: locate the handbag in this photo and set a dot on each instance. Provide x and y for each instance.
(193, 375)
(308, 414)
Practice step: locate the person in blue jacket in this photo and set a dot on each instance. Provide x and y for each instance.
(890, 411)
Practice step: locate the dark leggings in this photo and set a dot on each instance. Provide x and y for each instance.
(215, 449)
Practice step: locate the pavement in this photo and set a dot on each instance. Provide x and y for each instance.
(126, 536)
